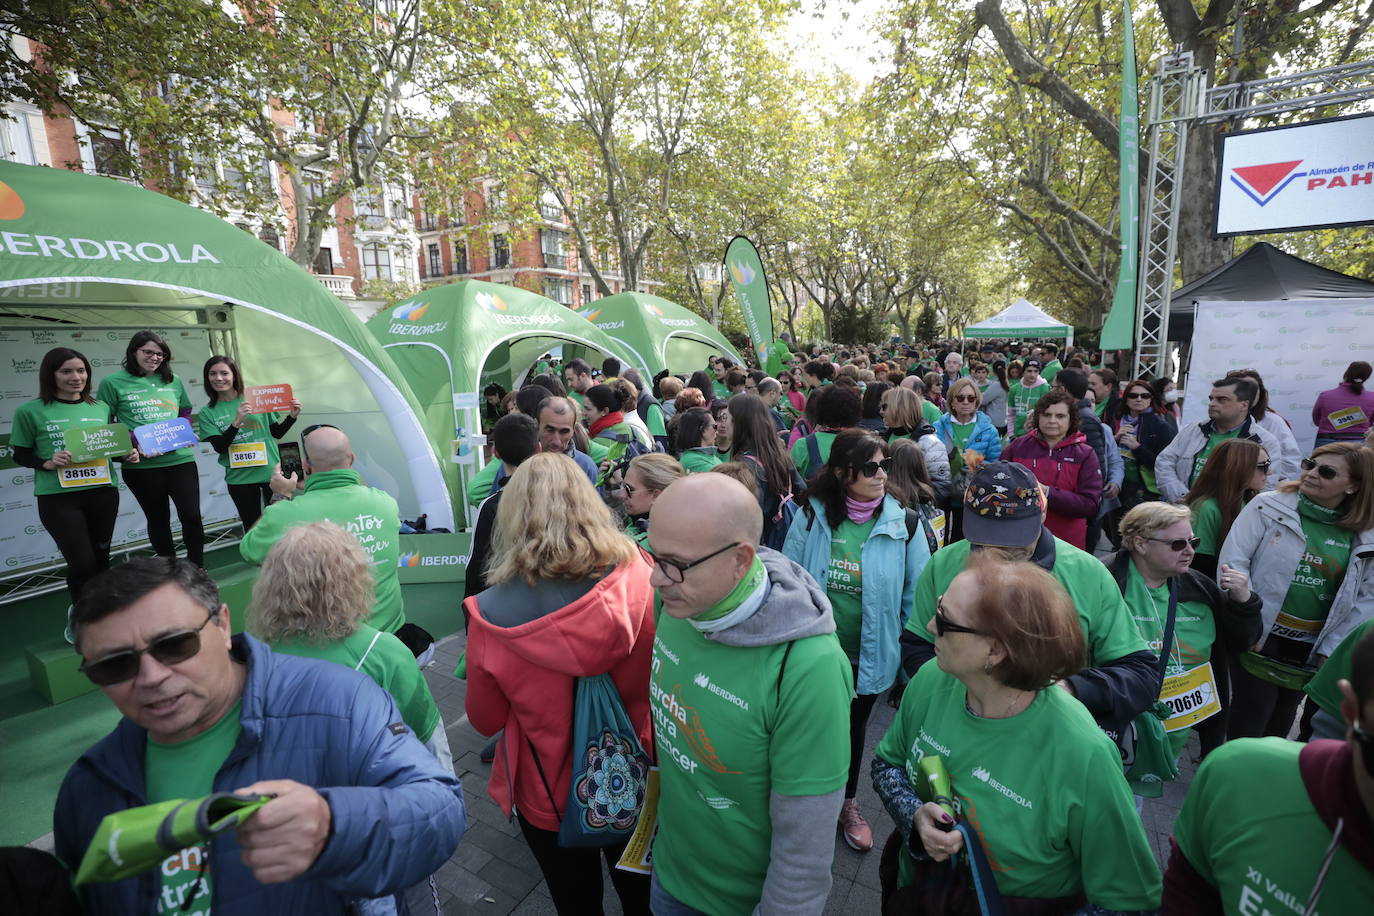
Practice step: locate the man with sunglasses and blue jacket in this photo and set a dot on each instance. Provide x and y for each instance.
(360, 810)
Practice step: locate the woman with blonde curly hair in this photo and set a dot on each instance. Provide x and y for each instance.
(312, 599)
(568, 597)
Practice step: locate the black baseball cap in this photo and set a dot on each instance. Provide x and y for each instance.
(1002, 506)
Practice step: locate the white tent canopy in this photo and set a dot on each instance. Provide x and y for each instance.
(1020, 319)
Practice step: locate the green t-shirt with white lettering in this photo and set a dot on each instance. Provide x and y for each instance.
(41, 427)
(1317, 578)
(253, 453)
(844, 584)
(1043, 789)
(1213, 440)
(731, 728)
(1022, 401)
(385, 659)
(1194, 632)
(136, 400)
(1249, 828)
(187, 770)
(1322, 688)
(1102, 611)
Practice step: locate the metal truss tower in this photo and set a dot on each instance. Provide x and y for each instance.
(1178, 100)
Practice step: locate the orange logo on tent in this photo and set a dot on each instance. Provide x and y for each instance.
(491, 302)
(411, 311)
(11, 204)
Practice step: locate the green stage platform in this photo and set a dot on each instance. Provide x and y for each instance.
(39, 740)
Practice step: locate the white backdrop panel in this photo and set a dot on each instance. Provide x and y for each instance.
(1299, 347)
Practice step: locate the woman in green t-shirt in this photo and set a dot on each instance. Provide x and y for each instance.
(1308, 547)
(245, 442)
(145, 391)
(1235, 471)
(312, 599)
(695, 437)
(1037, 781)
(77, 502)
(1211, 623)
(853, 539)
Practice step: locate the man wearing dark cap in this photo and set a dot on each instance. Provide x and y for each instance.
(1023, 395)
(1004, 510)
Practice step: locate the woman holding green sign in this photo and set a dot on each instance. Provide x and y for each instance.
(77, 499)
(146, 392)
(246, 442)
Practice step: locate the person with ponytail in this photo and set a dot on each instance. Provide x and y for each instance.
(1344, 413)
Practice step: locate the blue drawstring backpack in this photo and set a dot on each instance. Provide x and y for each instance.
(610, 770)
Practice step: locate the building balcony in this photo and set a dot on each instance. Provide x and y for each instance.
(341, 287)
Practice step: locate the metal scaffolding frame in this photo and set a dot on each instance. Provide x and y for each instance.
(1178, 100)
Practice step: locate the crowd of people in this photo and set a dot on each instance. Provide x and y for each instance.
(1052, 578)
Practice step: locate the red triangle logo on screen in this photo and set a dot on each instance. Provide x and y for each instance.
(1264, 178)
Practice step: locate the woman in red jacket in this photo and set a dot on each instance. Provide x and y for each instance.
(1059, 455)
(568, 597)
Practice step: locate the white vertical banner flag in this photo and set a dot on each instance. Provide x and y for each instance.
(1300, 347)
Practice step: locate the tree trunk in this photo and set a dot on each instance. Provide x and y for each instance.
(1198, 251)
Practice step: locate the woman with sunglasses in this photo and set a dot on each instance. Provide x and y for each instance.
(1032, 771)
(1153, 567)
(245, 442)
(1142, 430)
(644, 479)
(1306, 547)
(969, 439)
(145, 391)
(568, 597)
(77, 501)
(1231, 477)
(853, 539)
(793, 402)
(1058, 453)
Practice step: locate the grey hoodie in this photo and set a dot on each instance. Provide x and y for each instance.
(794, 607)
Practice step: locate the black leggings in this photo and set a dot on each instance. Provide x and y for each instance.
(574, 875)
(249, 498)
(860, 708)
(1259, 708)
(82, 523)
(152, 487)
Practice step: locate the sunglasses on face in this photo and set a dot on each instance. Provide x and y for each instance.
(965, 397)
(627, 489)
(1263, 466)
(1138, 396)
(944, 625)
(871, 468)
(1324, 471)
(171, 649)
(1177, 544)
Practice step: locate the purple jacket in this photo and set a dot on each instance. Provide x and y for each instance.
(1341, 398)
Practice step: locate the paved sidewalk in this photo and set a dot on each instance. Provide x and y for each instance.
(493, 872)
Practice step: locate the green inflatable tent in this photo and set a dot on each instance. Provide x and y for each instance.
(85, 262)
(451, 341)
(659, 334)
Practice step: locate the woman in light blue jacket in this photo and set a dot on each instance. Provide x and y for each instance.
(857, 543)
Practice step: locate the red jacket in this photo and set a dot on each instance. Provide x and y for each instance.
(523, 679)
(1073, 476)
